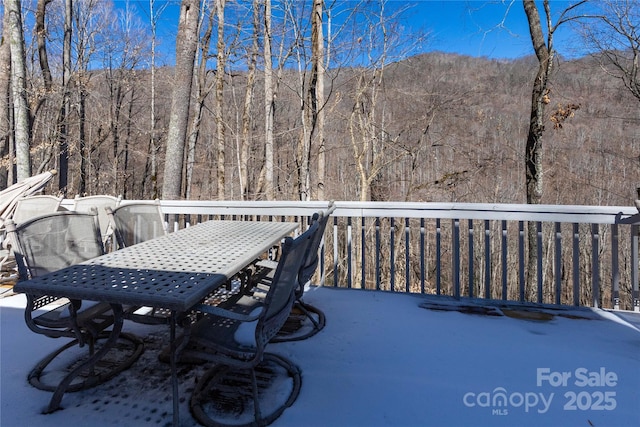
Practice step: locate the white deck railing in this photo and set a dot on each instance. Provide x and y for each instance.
(585, 255)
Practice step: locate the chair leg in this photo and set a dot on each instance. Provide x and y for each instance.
(222, 396)
(63, 386)
(129, 344)
(312, 314)
(254, 392)
(307, 312)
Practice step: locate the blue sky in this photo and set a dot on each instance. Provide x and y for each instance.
(475, 28)
(495, 29)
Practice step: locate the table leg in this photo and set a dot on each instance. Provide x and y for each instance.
(176, 348)
(174, 373)
(56, 399)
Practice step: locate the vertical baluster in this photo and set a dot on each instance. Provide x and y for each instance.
(487, 258)
(558, 263)
(392, 254)
(378, 278)
(615, 267)
(471, 272)
(422, 254)
(576, 264)
(595, 261)
(322, 261)
(335, 251)
(635, 294)
(349, 258)
(539, 260)
(504, 259)
(407, 268)
(455, 257)
(438, 257)
(521, 264)
(363, 245)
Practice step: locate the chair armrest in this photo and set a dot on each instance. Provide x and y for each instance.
(217, 311)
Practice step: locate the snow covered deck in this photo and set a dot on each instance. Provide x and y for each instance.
(382, 360)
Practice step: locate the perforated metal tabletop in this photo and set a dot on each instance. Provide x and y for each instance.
(175, 271)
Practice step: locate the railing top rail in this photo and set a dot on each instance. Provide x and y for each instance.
(234, 207)
(476, 211)
(491, 211)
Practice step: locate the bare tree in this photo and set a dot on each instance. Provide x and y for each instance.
(311, 99)
(87, 36)
(221, 60)
(123, 52)
(306, 41)
(244, 139)
(151, 165)
(540, 97)
(275, 47)
(318, 58)
(269, 103)
(372, 145)
(63, 172)
(186, 46)
(22, 134)
(6, 163)
(41, 36)
(615, 37)
(202, 90)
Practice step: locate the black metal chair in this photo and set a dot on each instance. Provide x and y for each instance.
(305, 319)
(48, 243)
(236, 390)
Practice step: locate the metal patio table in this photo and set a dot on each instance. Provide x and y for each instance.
(174, 272)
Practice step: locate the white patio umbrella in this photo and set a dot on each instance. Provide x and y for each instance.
(10, 195)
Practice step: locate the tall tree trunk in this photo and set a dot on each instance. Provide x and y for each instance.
(63, 162)
(192, 142)
(312, 109)
(219, 103)
(41, 36)
(319, 67)
(152, 161)
(115, 108)
(533, 153)
(19, 89)
(82, 139)
(186, 46)
(533, 149)
(202, 90)
(243, 149)
(269, 103)
(6, 165)
(129, 175)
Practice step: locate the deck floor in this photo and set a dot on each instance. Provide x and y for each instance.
(382, 360)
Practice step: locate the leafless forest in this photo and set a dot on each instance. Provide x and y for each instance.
(399, 127)
(451, 128)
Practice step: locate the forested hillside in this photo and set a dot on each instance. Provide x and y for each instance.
(463, 121)
(434, 127)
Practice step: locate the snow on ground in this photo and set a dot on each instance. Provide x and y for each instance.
(382, 360)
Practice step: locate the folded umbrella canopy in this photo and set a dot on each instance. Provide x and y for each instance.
(10, 195)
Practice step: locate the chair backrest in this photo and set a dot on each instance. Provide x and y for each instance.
(136, 222)
(99, 202)
(312, 258)
(33, 206)
(50, 242)
(280, 296)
